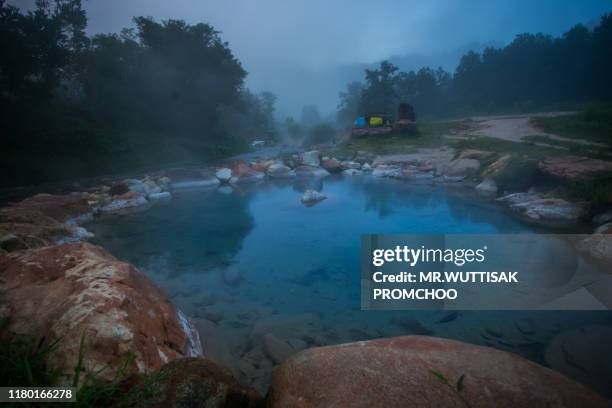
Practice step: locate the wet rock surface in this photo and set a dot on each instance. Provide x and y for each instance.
(405, 371)
(70, 290)
(584, 354)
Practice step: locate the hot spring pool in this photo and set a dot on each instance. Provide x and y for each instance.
(252, 266)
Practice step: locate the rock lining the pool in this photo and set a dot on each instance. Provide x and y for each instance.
(39, 238)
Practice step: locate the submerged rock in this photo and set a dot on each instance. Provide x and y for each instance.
(405, 372)
(311, 197)
(232, 276)
(584, 354)
(412, 324)
(198, 382)
(278, 350)
(65, 291)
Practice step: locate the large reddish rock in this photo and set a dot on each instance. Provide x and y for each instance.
(242, 172)
(66, 291)
(574, 168)
(400, 372)
(198, 382)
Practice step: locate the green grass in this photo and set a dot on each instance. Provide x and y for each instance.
(38, 155)
(501, 146)
(581, 149)
(597, 191)
(436, 134)
(593, 124)
(23, 362)
(429, 134)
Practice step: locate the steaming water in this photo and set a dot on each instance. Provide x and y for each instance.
(286, 260)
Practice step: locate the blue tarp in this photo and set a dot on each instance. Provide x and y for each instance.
(360, 122)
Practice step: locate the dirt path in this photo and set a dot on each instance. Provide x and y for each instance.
(515, 128)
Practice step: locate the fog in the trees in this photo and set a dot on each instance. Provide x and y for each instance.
(305, 52)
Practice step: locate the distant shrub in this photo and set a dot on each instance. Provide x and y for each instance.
(319, 134)
(597, 191)
(518, 175)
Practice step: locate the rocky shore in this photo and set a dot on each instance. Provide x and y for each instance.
(55, 285)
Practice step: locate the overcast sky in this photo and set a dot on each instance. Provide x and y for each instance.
(286, 45)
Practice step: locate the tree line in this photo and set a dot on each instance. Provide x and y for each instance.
(78, 105)
(534, 71)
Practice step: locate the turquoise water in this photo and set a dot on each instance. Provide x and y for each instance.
(233, 258)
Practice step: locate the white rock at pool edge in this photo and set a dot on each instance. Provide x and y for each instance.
(224, 175)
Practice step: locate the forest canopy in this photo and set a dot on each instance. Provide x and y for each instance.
(535, 71)
(158, 92)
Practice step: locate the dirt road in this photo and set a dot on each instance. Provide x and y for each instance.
(515, 128)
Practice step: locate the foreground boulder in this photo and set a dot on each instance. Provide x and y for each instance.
(410, 371)
(197, 382)
(73, 290)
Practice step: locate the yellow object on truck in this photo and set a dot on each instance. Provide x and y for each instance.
(376, 121)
